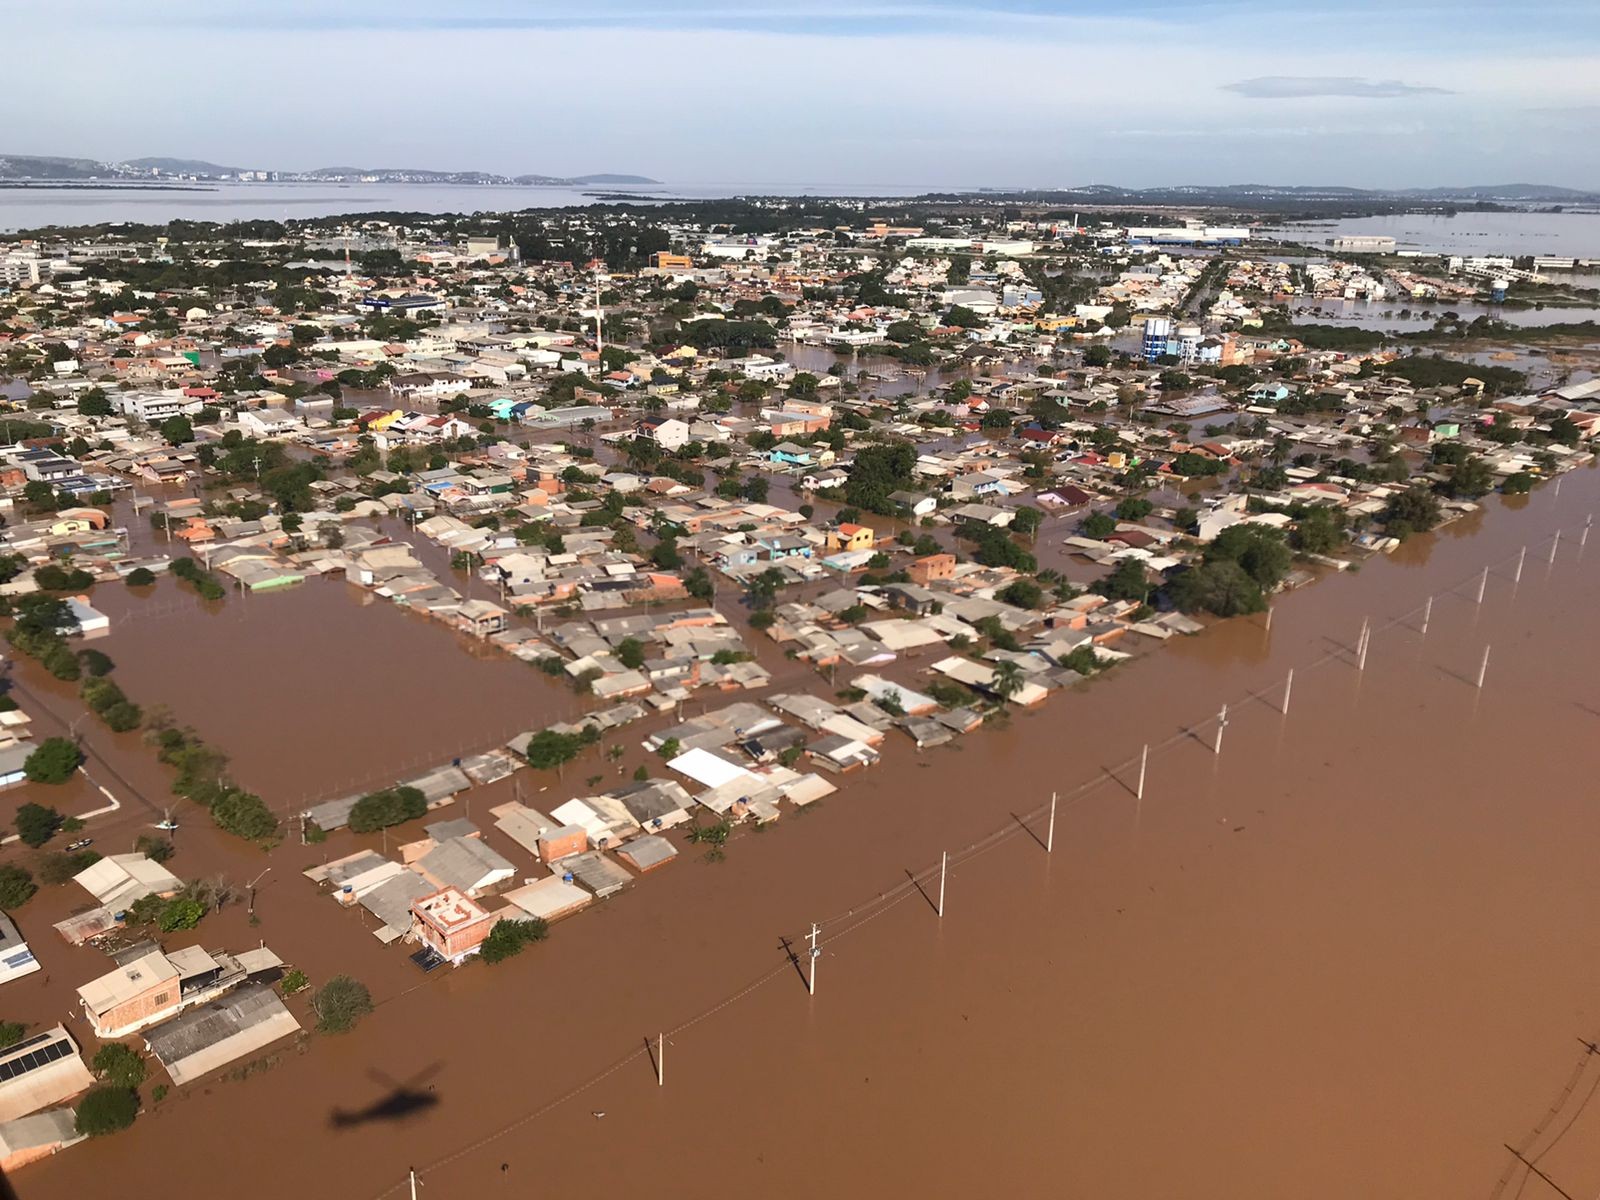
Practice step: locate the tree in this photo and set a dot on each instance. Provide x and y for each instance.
(1098, 525)
(244, 814)
(1127, 581)
(1024, 593)
(157, 849)
(140, 577)
(1007, 680)
(1134, 508)
(119, 1065)
(16, 886)
(59, 867)
(95, 662)
(996, 549)
(1222, 587)
(665, 554)
(1319, 530)
(1097, 356)
(1027, 520)
(630, 653)
(508, 937)
(340, 1003)
(877, 472)
(1258, 549)
(1470, 478)
(549, 749)
(11, 1033)
(181, 912)
(177, 430)
(53, 762)
(1519, 484)
(37, 824)
(390, 806)
(106, 1110)
(94, 403)
(1415, 510)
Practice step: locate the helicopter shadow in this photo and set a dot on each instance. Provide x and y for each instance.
(399, 1102)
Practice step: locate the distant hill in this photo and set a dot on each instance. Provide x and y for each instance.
(1510, 192)
(1283, 196)
(585, 180)
(32, 166)
(424, 175)
(179, 166)
(46, 167)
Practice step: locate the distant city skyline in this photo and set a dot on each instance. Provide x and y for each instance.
(936, 93)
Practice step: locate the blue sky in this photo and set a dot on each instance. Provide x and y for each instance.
(941, 93)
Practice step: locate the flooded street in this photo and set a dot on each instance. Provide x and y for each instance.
(1351, 955)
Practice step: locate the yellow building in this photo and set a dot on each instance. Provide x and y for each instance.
(851, 537)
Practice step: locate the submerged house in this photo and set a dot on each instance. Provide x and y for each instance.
(41, 1071)
(223, 1031)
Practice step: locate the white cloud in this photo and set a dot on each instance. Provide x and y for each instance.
(1298, 87)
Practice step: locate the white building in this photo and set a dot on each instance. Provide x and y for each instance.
(16, 959)
(152, 407)
(667, 432)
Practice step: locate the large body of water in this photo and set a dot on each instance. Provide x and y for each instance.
(39, 207)
(1573, 234)
(1567, 234)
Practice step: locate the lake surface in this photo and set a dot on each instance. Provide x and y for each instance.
(1385, 314)
(1567, 234)
(38, 207)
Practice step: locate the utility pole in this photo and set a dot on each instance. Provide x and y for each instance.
(1483, 582)
(1483, 667)
(1555, 544)
(661, 1069)
(1269, 618)
(415, 1182)
(1050, 830)
(1361, 647)
(1222, 723)
(944, 863)
(1288, 689)
(811, 977)
(252, 886)
(1144, 761)
(1427, 611)
(1522, 557)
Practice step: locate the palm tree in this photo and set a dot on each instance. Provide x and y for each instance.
(1007, 680)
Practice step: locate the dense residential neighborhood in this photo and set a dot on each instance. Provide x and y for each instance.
(757, 499)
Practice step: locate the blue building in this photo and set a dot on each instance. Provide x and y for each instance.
(1157, 332)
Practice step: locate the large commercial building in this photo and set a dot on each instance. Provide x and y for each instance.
(1363, 243)
(1188, 235)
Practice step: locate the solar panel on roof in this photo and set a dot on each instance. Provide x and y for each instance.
(33, 1041)
(14, 1067)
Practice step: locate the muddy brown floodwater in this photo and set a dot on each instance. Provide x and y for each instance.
(1352, 955)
